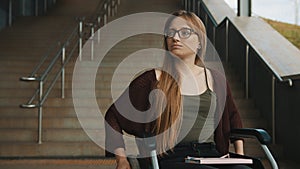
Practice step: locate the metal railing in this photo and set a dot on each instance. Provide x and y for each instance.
(62, 57)
(268, 65)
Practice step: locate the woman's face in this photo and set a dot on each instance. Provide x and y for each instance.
(179, 43)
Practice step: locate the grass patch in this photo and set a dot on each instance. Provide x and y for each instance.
(289, 31)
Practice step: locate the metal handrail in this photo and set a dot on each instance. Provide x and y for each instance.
(278, 74)
(189, 5)
(41, 94)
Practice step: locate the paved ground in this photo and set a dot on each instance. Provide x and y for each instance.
(57, 164)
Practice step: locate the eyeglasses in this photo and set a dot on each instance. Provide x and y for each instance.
(183, 33)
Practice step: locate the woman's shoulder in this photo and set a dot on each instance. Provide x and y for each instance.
(216, 74)
(219, 81)
(144, 78)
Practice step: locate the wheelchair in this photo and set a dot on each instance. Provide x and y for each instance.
(259, 134)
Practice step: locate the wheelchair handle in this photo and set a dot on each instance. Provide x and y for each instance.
(260, 134)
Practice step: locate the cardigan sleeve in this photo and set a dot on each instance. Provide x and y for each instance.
(230, 116)
(117, 122)
(234, 115)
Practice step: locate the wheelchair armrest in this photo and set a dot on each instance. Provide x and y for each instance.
(260, 134)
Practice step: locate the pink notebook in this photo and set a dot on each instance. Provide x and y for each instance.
(201, 160)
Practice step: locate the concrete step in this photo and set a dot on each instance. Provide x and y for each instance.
(51, 135)
(54, 102)
(56, 92)
(51, 122)
(50, 149)
(51, 112)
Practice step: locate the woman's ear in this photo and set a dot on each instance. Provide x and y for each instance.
(199, 47)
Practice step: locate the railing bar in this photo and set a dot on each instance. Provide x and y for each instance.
(48, 54)
(34, 96)
(10, 13)
(226, 40)
(63, 58)
(273, 110)
(265, 62)
(40, 112)
(72, 51)
(56, 77)
(247, 72)
(80, 40)
(40, 120)
(40, 91)
(50, 88)
(49, 68)
(38, 66)
(72, 34)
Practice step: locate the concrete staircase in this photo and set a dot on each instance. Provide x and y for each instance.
(22, 47)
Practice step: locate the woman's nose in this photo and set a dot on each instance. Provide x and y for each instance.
(176, 37)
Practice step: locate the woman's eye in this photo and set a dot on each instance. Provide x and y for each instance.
(185, 33)
(170, 33)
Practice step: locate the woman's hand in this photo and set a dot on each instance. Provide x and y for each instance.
(122, 163)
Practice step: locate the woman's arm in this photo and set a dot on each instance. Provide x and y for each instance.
(235, 122)
(239, 147)
(116, 122)
(121, 159)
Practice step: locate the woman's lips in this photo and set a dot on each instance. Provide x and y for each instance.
(176, 46)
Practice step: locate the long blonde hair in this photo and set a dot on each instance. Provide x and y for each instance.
(167, 126)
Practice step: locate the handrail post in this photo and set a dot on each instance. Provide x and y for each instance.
(115, 7)
(105, 19)
(63, 56)
(80, 40)
(247, 72)
(109, 10)
(194, 4)
(45, 6)
(226, 40)
(36, 5)
(92, 30)
(99, 21)
(40, 113)
(273, 110)
(10, 13)
(105, 15)
(92, 45)
(23, 8)
(244, 8)
(198, 7)
(99, 25)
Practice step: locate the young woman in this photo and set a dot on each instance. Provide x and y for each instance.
(195, 113)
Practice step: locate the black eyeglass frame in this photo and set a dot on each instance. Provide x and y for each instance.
(168, 35)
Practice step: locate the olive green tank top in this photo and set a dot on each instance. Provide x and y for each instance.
(198, 122)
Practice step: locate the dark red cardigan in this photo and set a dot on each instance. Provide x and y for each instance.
(139, 90)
